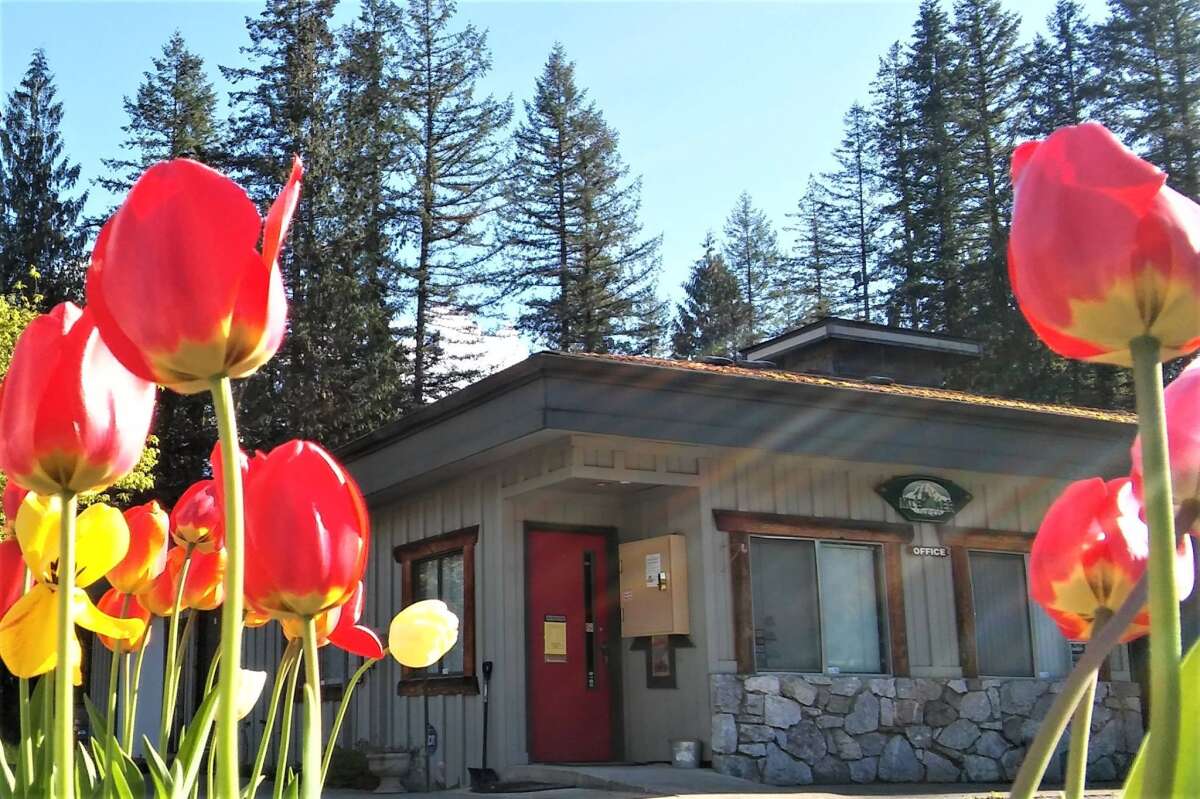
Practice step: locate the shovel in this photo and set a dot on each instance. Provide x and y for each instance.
(484, 779)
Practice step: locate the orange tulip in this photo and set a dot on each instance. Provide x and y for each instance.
(120, 605)
(1090, 551)
(147, 554)
(202, 590)
(198, 518)
(181, 292)
(72, 418)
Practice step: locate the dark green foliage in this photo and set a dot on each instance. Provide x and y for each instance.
(816, 281)
(752, 253)
(1149, 53)
(42, 239)
(173, 115)
(570, 221)
(855, 217)
(1060, 72)
(454, 172)
(709, 320)
(338, 372)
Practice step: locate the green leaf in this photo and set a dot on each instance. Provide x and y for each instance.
(87, 778)
(1187, 766)
(191, 747)
(159, 773)
(8, 780)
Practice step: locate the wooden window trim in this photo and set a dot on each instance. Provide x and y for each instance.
(463, 540)
(741, 525)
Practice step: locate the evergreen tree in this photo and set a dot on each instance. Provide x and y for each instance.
(752, 252)
(932, 74)
(710, 318)
(1150, 56)
(1060, 72)
(855, 218)
(817, 284)
(455, 158)
(892, 144)
(286, 101)
(571, 222)
(42, 240)
(172, 116)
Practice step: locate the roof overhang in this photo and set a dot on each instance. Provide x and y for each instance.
(865, 332)
(551, 394)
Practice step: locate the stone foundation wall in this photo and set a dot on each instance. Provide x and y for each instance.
(797, 730)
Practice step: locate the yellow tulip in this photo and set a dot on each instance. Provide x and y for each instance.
(29, 630)
(422, 633)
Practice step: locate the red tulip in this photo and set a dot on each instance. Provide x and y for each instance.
(72, 418)
(14, 495)
(198, 518)
(1182, 404)
(124, 606)
(307, 532)
(147, 554)
(12, 573)
(1089, 553)
(1101, 251)
(339, 626)
(181, 292)
(203, 589)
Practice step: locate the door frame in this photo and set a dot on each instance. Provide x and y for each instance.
(613, 590)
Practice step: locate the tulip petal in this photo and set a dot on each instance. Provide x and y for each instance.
(279, 218)
(357, 640)
(28, 632)
(422, 633)
(12, 574)
(92, 618)
(37, 532)
(101, 541)
(249, 688)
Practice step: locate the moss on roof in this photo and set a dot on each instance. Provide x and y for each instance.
(892, 389)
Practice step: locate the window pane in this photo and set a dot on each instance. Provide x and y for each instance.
(425, 579)
(783, 580)
(850, 607)
(442, 578)
(1002, 638)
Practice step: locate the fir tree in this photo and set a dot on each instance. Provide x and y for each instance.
(172, 116)
(855, 217)
(709, 320)
(892, 144)
(455, 158)
(932, 74)
(286, 101)
(1060, 71)
(816, 282)
(1150, 56)
(571, 222)
(752, 252)
(42, 240)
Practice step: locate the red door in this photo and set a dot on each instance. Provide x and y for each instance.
(570, 690)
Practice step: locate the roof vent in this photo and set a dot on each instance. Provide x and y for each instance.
(880, 380)
(716, 360)
(751, 363)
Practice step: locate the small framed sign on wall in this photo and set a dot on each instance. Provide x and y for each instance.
(923, 498)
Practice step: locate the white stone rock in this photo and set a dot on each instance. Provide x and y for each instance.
(724, 734)
(781, 712)
(763, 684)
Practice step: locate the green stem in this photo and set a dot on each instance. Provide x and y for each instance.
(26, 745)
(171, 676)
(231, 609)
(110, 720)
(126, 693)
(287, 666)
(132, 702)
(285, 733)
(336, 729)
(310, 756)
(64, 696)
(1165, 690)
(1081, 724)
(212, 750)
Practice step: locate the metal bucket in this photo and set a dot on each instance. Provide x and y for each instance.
(685, 753)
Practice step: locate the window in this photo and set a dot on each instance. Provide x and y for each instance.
(443, 567)
(817, 606)
(812, 594)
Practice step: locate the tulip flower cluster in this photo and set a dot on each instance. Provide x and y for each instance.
(184, 292)
(1104, 259)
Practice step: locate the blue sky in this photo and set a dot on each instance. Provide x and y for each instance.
(709, 98)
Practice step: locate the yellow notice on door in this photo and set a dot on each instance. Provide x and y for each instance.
(554, 634)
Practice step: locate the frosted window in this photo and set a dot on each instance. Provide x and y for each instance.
(1002, 637)
(850, 601)
(787, 630)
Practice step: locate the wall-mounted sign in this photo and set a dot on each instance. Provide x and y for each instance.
(920, 498)
(554, 634)
(930, 552)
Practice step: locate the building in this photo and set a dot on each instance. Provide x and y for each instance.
(845, 601)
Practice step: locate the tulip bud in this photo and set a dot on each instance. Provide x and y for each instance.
(198, 519)
(72, 418)
(422, 633)
(1181, 401)
(185, 244)
(124, 606)
(147, 554)
(1090, 552)
(1101, 251)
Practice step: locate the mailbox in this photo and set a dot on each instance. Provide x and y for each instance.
(654, 590)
